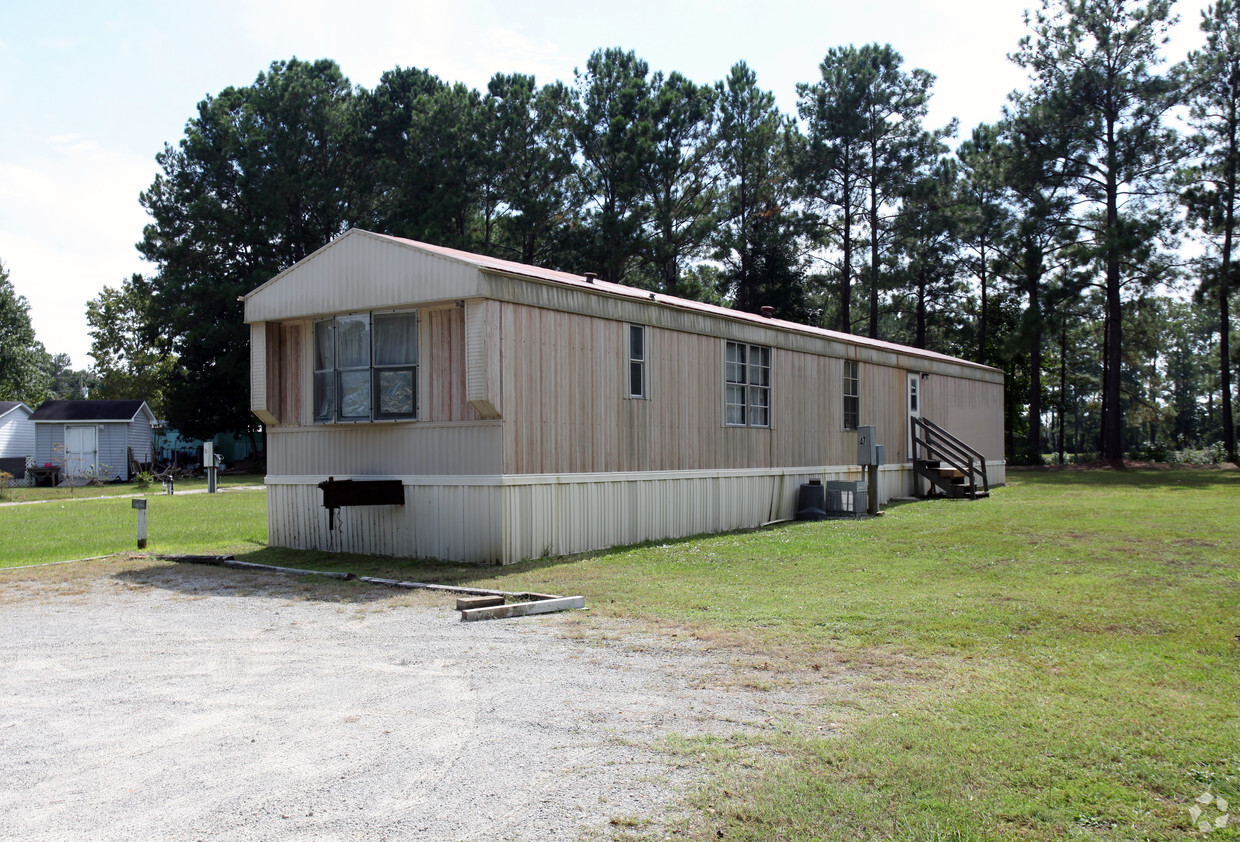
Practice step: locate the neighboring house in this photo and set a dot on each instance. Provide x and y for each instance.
(93, 438)
(525, 412)
(16, 439)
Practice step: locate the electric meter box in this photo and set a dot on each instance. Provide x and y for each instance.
(867, 447)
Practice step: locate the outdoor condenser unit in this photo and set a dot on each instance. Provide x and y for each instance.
(847, 498)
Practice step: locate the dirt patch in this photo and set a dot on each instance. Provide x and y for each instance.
(148, 700)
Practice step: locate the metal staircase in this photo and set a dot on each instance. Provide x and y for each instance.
(953, 468)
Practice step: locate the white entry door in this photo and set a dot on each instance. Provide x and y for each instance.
(914, 409)
(81, 450)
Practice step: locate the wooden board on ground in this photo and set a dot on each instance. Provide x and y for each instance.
(521, 609)
(465, 603)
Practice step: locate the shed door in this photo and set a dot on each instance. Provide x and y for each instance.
(914, 409)
(81, 450)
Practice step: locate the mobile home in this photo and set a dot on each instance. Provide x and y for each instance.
(520, 412)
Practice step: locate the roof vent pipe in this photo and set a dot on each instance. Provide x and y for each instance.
(591, 277)
(768, 311)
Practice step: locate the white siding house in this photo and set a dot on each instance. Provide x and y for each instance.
(16, 439)
(93, 438)
(16, 430)
(527, 412)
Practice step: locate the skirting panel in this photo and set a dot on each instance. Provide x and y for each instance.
(510, 518)
(452, 523)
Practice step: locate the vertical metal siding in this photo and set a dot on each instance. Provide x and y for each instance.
(258, 367)
(442, 369)
(972, 410)
(453, 523)
(385, 449)
(567, 411)
(482, 350)
(361, 273)
(138, 437)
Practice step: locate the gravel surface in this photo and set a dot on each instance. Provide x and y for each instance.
(144, 700)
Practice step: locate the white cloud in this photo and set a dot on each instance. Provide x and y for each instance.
(69, 219)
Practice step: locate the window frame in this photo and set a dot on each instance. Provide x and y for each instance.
(330, 380)
(637, 364)
(852, 399)
(747, 376)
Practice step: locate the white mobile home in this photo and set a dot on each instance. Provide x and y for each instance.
(93, 438)
(518, 411)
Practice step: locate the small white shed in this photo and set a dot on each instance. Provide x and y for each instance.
(16, 438)
(93, 438)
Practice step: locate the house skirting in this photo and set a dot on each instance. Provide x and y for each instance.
(503, 519)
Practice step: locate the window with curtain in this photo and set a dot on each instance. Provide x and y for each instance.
(366, 367)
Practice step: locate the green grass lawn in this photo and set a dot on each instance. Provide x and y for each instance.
(1061, 660)
(62, 529)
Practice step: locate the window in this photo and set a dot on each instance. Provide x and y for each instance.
(637, 361)
(747, 385)
(366, 367)
(852, 394)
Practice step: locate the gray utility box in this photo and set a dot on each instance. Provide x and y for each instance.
(847, 499)
(867, 446)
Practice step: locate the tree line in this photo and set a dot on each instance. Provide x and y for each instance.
(1051, 243)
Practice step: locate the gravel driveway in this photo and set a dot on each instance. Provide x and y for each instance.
(145, 700)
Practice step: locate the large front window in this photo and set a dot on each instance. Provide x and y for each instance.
(366, 367)
(747, 383)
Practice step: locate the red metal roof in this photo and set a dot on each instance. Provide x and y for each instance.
(509, 267)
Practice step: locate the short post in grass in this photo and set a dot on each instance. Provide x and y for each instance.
(208, 462)
(139, 503)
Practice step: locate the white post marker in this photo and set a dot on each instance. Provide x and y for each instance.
(139, 503)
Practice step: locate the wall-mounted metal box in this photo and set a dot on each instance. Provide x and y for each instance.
(370, 492)
(867, 453)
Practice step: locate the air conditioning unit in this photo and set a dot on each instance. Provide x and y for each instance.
(847, 499)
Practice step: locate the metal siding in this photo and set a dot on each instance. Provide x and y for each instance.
(113, 445)
(970, 410)
(47, 437)
(442, 367)
(138, 435)
(448, 522)
(361, 272)
(482, 363)
(508, 519)
(258, 367)
(17, 435)
(285, 395)
(883, 404)
(567, 409)
(571, 514)
(387, 449)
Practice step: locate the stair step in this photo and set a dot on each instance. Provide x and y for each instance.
(951, 473)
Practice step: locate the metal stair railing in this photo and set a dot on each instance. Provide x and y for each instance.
(948, 448)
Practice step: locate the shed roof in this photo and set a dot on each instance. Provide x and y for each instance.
(8, 406)
(90, 411)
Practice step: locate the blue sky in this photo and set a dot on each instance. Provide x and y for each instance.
(90, 92)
